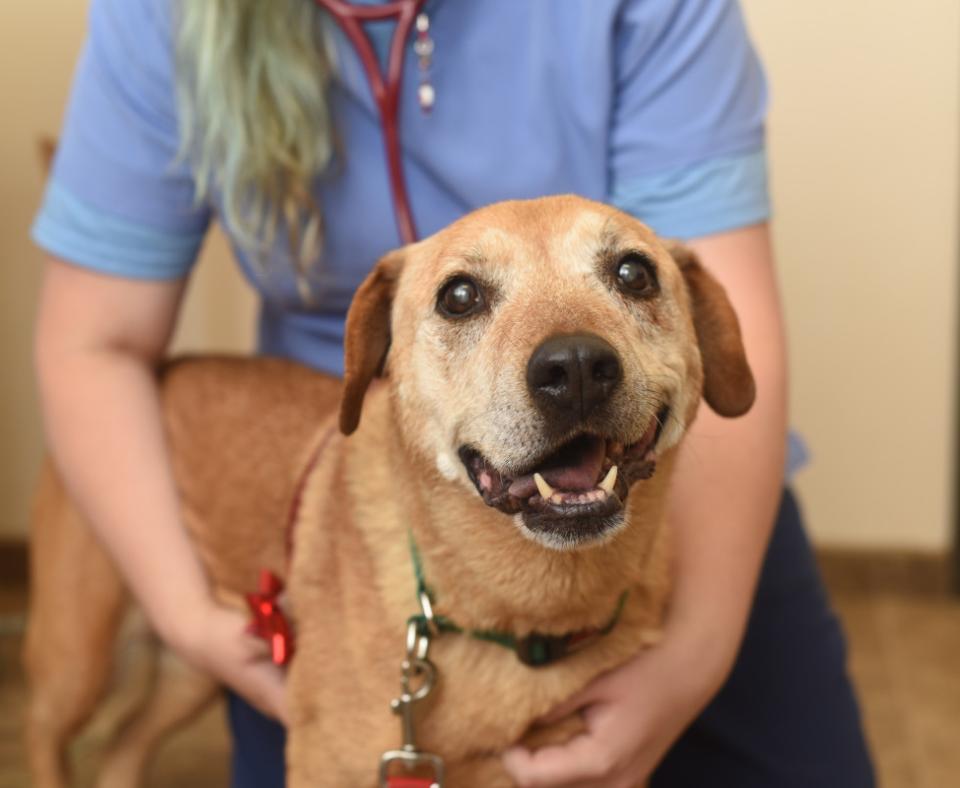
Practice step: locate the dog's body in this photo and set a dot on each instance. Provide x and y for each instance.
(365, 585)
(474, 447)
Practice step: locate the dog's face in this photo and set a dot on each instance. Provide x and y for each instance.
(544, 354)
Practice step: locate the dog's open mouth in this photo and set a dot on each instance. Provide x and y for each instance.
(584, 483)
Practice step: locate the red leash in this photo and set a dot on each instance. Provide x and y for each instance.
(269, 621)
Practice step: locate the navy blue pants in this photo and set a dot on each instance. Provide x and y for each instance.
(786, 718)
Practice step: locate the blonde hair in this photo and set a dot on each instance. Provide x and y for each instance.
(254, 120)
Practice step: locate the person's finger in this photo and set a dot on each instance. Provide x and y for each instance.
(597, 690)
(255, 648)
(567, 708)
(582, 760)
(595, 693)
(244, 662)
(263, 685)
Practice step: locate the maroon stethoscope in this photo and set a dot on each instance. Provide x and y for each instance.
(385, 87)
(386, 94)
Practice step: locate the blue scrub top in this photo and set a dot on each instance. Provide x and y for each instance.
(656, 106)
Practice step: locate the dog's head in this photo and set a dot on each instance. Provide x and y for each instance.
(544, 354)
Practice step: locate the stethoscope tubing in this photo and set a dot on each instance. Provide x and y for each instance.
(386, 91)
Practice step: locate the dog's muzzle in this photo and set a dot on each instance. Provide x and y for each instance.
(577, 492)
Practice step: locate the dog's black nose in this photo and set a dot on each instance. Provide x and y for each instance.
(569, 375)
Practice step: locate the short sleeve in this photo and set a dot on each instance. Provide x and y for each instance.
(118, 200)
(687, 129)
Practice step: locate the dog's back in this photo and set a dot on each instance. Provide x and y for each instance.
(236, 456)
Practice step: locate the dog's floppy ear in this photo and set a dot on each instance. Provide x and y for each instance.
(367, 336)
(728, 385)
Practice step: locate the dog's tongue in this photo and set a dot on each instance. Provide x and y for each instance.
(575, 467)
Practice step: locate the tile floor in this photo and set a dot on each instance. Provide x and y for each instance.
(904, 656)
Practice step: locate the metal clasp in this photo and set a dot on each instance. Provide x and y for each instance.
(417, 678)
(426, 605)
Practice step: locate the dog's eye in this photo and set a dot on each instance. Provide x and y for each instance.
(460, 297)
(635, 274)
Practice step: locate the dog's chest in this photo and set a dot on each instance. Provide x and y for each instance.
(348, 670)
(353, 589)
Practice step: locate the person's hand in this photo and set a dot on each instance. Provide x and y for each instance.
(214, 638)
(633, 714)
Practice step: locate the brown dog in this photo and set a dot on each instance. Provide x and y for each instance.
(542, 361)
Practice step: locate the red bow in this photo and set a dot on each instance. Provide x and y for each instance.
(269, 621)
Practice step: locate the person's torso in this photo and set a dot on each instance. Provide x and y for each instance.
(523, 101)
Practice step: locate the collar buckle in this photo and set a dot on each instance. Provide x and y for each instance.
(536, 650)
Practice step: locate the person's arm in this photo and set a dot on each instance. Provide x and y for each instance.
(99, 339)
(723, 502)
(729, 481)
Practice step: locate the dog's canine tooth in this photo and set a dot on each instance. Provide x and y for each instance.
(545, 489)
(609, 480)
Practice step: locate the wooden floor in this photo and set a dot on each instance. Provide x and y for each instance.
(905, 660)
(904, 656)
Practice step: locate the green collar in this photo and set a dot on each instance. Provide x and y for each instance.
(535, 650)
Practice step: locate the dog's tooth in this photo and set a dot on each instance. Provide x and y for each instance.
(609, 480)
(545, 489)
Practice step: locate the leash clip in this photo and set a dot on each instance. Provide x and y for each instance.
(417, 670)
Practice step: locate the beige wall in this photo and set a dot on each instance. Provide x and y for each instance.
(37, 48)
(39, 43)
(864, 139)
